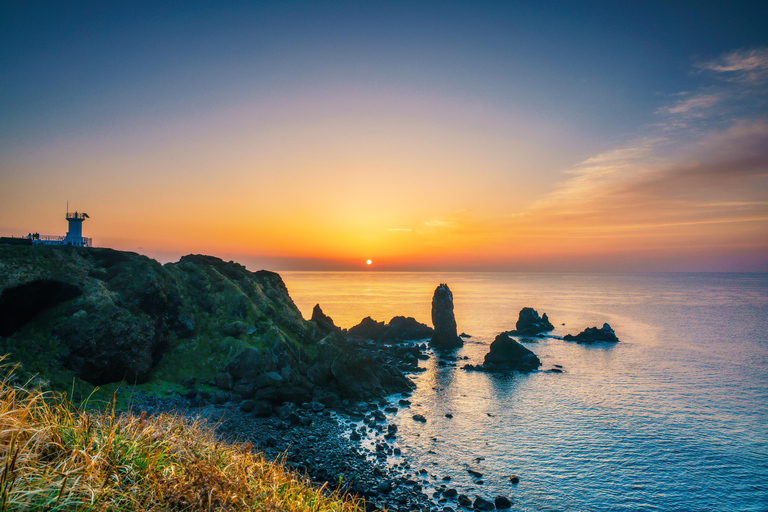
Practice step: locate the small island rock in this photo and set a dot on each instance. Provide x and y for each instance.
(594, 335)
(507, 355)
(530, 323)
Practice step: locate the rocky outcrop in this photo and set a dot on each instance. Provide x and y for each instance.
(594, 335)
(323, 321)
(398, 329)
(445, 335)
(368, 328)
(529, 323)
(507, 355)
(402, 328)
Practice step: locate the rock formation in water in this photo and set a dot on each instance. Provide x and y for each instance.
(507, 354)
(445, 335)
(398, 329)
(402, 328)
(530, 324)
(594, 335)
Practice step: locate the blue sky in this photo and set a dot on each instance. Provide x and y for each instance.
(489, 95)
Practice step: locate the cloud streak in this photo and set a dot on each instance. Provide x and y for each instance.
(696, 185)
(741, 65)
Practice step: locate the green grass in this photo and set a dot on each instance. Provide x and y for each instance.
(56, 456)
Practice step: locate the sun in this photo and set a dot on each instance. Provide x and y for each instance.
(368, 262)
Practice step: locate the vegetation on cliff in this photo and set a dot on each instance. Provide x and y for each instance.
(97, 317)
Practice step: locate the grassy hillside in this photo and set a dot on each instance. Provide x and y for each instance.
(54, 456)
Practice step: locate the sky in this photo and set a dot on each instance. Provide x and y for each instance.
(510, 136)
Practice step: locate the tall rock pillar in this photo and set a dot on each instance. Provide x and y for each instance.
(443, 320)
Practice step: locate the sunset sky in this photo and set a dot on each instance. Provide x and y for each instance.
(621, 136)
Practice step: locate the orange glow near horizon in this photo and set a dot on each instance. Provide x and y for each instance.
(417, 194)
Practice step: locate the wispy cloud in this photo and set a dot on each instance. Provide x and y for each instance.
(742, 65)
(695, 106)
(734, 86)
(700, 177)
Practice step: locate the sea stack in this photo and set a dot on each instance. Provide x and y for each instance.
(507, 354)
(445, 336)
(529, 323)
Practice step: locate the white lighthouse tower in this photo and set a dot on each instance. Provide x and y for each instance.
(75, 231)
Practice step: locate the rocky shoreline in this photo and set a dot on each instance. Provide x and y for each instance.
(326, 445)
(353, 446)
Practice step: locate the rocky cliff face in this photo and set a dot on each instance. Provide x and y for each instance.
(104, 316)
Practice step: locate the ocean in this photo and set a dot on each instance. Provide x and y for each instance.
(674, 417)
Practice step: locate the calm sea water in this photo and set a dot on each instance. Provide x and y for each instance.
(673, 418)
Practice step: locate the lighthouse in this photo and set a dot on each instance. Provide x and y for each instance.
(73, 237)
(75, 231)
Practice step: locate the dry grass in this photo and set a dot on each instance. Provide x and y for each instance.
(56, 457)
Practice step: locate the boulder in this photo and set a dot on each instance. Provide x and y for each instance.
(246, 362)
(502, 502)
(245, 388)
(445, 335)
(506, 354)
(529, 323)
(262, 409)
(594, 335)
(269, 380)
(384, 487)
(482, 504)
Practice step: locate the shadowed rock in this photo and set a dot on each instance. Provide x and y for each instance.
(594, 335)
(507, 355)
(368, 328)
(443, 320)
(323, 321)
(402, 328)
(529, 323)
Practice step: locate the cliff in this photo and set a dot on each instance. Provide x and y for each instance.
(104, 316)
